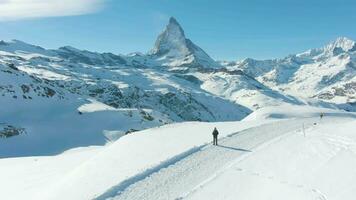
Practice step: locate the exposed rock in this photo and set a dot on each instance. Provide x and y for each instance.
(7, 131)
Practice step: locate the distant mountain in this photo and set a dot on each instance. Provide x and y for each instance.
(326, 73)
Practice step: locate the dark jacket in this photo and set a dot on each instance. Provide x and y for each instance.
(215, 132)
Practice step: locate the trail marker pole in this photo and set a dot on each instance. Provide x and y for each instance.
(303, 130)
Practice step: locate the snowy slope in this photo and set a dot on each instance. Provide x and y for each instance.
(55, 119)
(242, 89)
(100, 168)
(194, 176)
(176, 161)
(318, 166)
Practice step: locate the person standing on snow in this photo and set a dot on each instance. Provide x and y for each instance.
(215, 136)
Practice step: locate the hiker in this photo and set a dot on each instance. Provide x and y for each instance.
(321, 115)
(215, 135)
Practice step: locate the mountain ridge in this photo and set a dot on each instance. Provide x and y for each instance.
(108, 95)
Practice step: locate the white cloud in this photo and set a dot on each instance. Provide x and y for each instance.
(22, 9)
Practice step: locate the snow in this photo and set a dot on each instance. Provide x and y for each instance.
(244, 90)
(94, 106)
(344, 43)
(43, 73)
(182, 177)
(17, 46)
(265, 156)
(292, 111)
(48, 134)
(318, 166)
(94, 170)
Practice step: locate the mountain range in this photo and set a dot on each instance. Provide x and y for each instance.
(64, 98)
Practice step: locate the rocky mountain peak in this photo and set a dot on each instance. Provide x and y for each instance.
(341, 44)
(171, 40)
(334, 48)
(172, 48)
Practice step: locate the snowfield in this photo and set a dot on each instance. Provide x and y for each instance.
(100, 168)
(320, 165)
(266, 156)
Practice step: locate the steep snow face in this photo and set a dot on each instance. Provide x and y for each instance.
(326, 73)
(173, 49)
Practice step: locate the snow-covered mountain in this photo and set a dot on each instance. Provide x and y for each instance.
(326, 73)
(54, 100)
(173, 49)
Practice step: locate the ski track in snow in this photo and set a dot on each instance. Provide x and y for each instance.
(196, 167)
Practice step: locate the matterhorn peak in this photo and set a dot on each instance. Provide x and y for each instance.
(172, 48)
(172, 39)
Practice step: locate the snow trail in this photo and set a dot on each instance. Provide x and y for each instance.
(178, 179)
(125, 184)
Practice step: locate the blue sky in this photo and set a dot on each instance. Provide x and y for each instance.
(225, 29)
